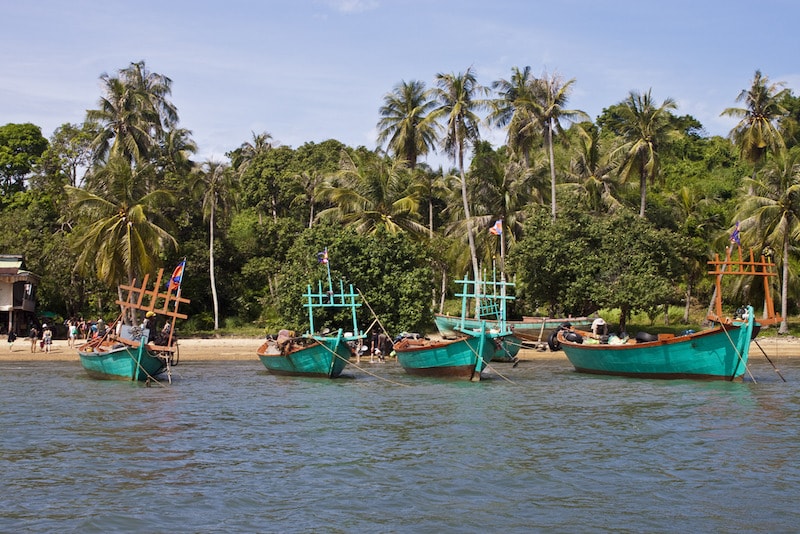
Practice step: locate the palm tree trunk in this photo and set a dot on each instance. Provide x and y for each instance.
(784, 328)
(444, 291)
(552, 168)
(642, 195)
(211, 266)
(430, 217)
(464, 198)
(687, 307)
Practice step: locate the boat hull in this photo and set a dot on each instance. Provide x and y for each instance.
(320, 358)
(529, 330)
(120, 363)
(465, 357)
(716, 354)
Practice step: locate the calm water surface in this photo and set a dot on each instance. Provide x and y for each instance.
(230, 448)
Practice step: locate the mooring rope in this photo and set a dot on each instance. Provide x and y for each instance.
(347, 361)
(738, 354)
(501, 375)
(768, 359)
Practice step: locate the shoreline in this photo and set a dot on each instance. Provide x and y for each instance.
(227, 349)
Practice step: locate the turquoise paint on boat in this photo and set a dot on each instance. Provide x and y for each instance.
(459, 358)
(128, 355)
(468, 354)
(120, 363)
(720, 353)
(531, 330)
(316, 354)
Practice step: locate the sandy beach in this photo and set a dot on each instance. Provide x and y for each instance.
(228, 348)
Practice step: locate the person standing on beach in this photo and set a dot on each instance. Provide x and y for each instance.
(33, 336)
(47, 338)
(12, 337)
(73, 333)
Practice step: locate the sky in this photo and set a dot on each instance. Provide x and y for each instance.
(311, 70)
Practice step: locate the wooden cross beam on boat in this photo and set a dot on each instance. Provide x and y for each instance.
(763, 268)
(160, 302)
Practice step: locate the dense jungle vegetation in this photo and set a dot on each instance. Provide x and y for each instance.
(620, 212)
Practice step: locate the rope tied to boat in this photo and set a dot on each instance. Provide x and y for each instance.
(738, 353)
(346, 360)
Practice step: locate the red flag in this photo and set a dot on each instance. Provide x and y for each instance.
(177, 277)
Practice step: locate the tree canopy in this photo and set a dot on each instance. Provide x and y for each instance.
(644, 197)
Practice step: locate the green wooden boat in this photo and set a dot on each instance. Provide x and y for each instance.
(720, 352)
(129, 354)
(468, 354)
(308, 355)
(119, 361)
(717, 353)
(322, 354)
(505, 348)
(530, 332)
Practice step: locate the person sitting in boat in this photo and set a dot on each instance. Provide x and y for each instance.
(599, 327)
(149, 324)
(284, 341)
(101, 328)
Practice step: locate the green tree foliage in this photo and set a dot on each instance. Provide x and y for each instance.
(122, 230)
(391, 271)
(265, 181)
(458, 99)
(264, 247)
(21, 146)
(579, 264)
(646, 129)
(133, 114)
(407, 124)
(372, 193)
(771, 214)
(757, 133)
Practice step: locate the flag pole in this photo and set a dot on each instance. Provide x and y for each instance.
(177, 296)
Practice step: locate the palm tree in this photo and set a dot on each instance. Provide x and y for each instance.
(304, 187)
(250, 150)
(504, 194)
(511, 111)
(177, 147)
(406, 122)
(432, 186)
(121, 128)
(698, 224)
(217, 187)
(645, 128)
(757, 132)
(591, 171)
(124, 230)
(455, 94)
(133, 114)
(153, 89)
(771, 214)
(547, 101)
(371, 192)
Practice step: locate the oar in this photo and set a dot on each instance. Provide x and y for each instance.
(770, 361)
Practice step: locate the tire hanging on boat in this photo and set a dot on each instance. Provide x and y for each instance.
(553, 342)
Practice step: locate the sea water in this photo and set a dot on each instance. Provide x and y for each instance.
(537, 447)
